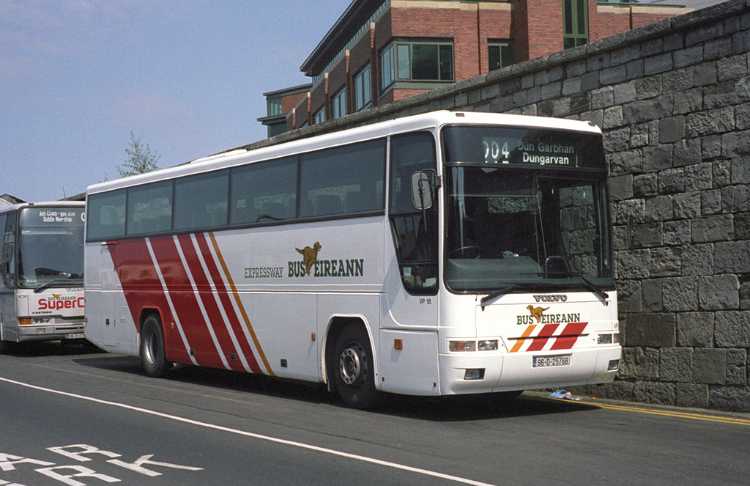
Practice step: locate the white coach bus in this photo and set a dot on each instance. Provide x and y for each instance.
(439, 254)
(41, 272)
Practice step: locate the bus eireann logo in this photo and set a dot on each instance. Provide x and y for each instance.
(537, 312)
(309, 256)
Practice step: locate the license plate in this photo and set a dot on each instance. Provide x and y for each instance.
(550, 361)
(74, 336)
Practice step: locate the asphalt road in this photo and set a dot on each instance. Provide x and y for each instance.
(77, 417)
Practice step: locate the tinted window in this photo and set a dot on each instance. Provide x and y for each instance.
(201, 201)
(264, 192)
(343, 180)
(150, 208)
(105, 214)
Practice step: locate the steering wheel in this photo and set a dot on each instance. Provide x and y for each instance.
(462, 250)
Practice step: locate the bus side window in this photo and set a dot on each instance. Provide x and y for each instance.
(414, 232)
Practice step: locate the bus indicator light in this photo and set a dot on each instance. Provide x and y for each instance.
(458, 346)
(398, 344)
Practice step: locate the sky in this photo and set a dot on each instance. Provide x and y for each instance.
(185, 76)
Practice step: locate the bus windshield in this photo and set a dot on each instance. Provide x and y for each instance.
(521, 224)
(50, 250)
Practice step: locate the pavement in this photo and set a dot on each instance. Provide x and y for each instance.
(76, 416)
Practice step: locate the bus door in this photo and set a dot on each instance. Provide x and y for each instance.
(8, 311)
(411, 299)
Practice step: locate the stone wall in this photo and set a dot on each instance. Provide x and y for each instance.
(673, 99)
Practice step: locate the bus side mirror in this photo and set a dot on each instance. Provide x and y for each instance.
(422, 189)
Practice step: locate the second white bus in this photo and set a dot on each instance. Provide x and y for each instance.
(438, 254)
(41, 272)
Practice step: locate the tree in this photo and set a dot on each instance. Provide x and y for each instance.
(140, 158)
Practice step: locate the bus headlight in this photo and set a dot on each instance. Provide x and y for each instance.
(604, 339)
(457, 346)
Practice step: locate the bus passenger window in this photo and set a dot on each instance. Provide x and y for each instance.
(149, 209)
(200, 202)
(105, 216)
(264, 192)
(343, 180)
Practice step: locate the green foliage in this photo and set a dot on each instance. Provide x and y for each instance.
(140, 158)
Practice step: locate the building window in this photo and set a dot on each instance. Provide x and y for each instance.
(320, 116)
(274, 106)
(363, 88)
(386, 67)
(339, 104)
(575, 32)
(417, 61)
(500, 54)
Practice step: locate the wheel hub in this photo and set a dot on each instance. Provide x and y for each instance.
(350, 366)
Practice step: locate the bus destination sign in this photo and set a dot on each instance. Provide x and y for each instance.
(53, 216)
(508, 151)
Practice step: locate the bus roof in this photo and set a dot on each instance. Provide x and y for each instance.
(343, 137)
(56, 204)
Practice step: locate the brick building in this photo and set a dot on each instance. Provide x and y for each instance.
(380, 51)
(280, 102)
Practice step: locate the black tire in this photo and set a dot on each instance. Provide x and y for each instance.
(153, 359)
(352, 369)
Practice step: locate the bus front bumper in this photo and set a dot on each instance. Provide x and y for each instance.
(464, 373)
(50, 331)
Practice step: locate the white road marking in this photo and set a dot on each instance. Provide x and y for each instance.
(267, 438)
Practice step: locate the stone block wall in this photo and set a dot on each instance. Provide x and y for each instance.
(673, 99)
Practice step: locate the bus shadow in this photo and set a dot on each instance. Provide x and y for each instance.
(436, 409)
(51, 348)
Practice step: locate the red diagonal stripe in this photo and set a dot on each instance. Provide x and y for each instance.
(142, 290)
(214, 316)
(569, 335)
(226, 303)
(541, 339)
(184, 300)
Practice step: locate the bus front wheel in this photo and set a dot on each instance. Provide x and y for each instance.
(353, 372)
(153, 359)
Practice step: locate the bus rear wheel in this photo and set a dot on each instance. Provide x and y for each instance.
(153, 359)
(353, 373)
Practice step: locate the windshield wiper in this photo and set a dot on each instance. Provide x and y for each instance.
(58, 281)
(497, 293)
(593, 288)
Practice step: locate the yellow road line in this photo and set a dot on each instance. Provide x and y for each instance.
(665, 413)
